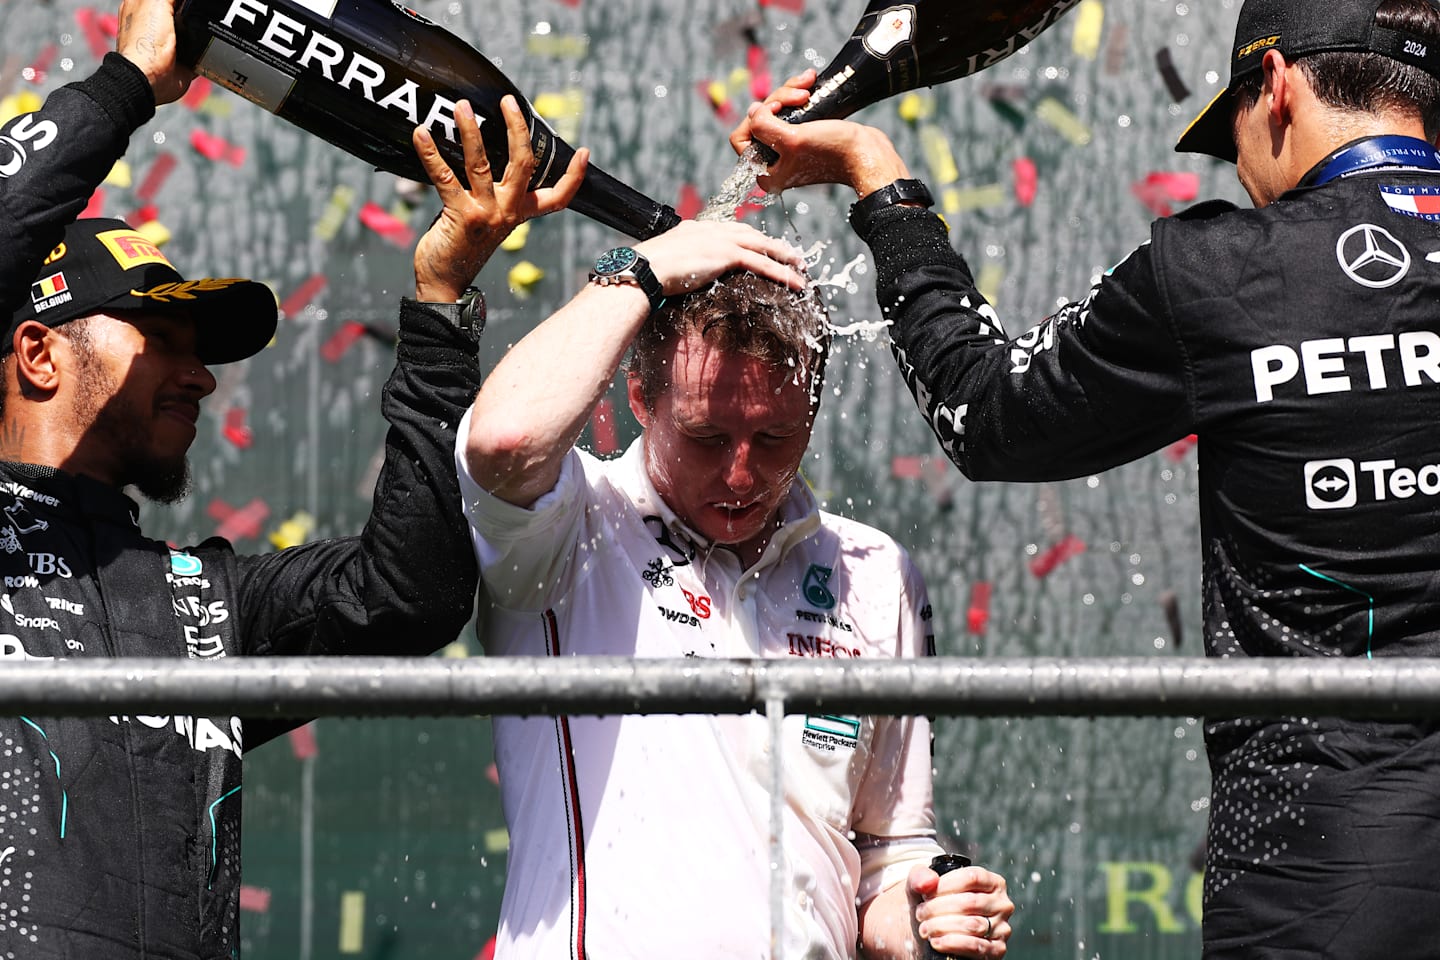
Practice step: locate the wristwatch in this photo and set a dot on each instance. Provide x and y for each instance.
(625, 265)
(466, 314)
(863, 211)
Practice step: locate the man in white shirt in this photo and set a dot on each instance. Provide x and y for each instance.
(647, 837)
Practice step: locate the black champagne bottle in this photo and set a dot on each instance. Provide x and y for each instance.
(363, 73)
(901, 46)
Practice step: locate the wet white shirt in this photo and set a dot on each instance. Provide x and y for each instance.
(672, 812)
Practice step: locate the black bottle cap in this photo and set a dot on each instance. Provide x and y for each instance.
(946, 862)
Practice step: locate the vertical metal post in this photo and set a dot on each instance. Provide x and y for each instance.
(307, 857)
(775, 715)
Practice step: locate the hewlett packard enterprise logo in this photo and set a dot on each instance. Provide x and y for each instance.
(1340, 484)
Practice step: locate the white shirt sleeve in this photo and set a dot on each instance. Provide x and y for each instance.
(524, 552)
(894, 820)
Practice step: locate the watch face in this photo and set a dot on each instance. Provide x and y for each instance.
(615, 261)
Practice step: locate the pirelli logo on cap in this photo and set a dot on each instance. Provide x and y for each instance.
(131, 249)
(1264, 43)
(50, 292)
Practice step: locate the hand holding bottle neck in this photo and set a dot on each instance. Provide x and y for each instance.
(823, 151)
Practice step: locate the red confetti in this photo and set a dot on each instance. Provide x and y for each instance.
(90, 26)
(1157, 191)
(1027, 181)
(759, 65)
(143, 215)
(1180, 449)
(35, 73)
(341, 340)
(109, 25)
(690, 202)
(244, 523)
(198, 93)
(155, 177)
(794, 6)
(492, 773)
(302, 742)
(978, 614)
(389, 226)
(487, 952)
(96, 206)
(254, 899)
(217, 148)
(1043, 565)
(304, 296)
(235, 430)
(602, 428)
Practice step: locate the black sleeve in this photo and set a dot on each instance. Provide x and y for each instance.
(1097, 384)
(52, 160)
(407, 584)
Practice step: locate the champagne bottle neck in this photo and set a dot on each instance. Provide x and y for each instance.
(603, 198)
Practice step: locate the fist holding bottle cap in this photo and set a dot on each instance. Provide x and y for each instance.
(958, 910)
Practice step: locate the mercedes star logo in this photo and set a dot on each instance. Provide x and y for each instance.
(1372, 257)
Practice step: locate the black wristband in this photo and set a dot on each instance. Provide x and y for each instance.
(862, 211)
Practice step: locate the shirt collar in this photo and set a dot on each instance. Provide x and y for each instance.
(799, 512)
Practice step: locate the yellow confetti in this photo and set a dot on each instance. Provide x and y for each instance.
(938, 156)
(154, 231)
(988, 283)
(516, 241)
(218, 107)
(352, 921)
(119, 175)
(1089, 23)
(717, 93)
(739, 80)
(337, 209)
(497, 841)
(562, 45)
(455, 650)
(563, 109)
(523, 276)
(294, 531)
(955, 200)
(913, 107)
(26, 101)
(1064, 120)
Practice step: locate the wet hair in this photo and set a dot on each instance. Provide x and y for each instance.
(1370, 82)
(739, 313)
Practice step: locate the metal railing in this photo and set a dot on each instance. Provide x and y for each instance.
(949, 686)
(376, 687)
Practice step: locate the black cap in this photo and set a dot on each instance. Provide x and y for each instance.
(1297, 28)
(103, 265)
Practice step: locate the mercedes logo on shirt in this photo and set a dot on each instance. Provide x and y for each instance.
(1372, 257)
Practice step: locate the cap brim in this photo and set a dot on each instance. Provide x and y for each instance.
(1212, 133)
(234, 318)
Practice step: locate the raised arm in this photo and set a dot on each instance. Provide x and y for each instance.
(534, 405)
(52, 160)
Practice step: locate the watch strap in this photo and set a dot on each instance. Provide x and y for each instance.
(637, 274)
(863, 211)
(466, 314)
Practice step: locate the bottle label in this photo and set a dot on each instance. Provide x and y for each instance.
(893, 28)
(238, 72)
(264, 41)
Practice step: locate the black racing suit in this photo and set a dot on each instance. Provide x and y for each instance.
(120, 837)
(1301, 342)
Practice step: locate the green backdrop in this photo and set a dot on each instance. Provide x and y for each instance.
(384, 839)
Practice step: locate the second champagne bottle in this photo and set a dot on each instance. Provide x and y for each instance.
(363, 73)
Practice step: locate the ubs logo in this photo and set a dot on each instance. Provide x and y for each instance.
(1372, 257)
(1330, 484)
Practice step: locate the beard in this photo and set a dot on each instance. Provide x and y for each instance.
(117, 418)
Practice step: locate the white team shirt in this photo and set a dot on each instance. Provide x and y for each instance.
(648, 836)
